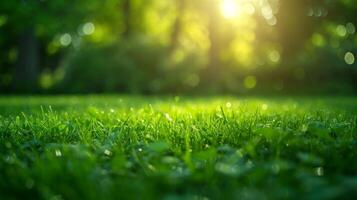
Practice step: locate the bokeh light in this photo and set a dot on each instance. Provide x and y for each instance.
(88, 28)
(350, 27)
(230, 9)
(341, 30)
(250, 82)
(66, 39)
(274, 56)
(349, 58)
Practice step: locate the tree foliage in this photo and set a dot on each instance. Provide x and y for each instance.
(174, 46)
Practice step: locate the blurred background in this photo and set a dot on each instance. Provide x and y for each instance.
(178, 46)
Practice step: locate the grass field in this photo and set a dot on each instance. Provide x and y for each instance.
(123, 147)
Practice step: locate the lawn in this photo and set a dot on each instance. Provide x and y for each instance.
(125, 147)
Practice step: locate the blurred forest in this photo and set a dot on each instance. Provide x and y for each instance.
(178, 46)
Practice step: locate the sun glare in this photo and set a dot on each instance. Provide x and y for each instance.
(230, 9)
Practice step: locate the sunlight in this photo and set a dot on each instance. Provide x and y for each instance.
(230, 9)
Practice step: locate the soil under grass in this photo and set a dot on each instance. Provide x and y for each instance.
(123, 147)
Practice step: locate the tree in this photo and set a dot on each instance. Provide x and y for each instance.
(27, 67)
(127, 18)
(294, 28)
(48, 18)
(178, 22)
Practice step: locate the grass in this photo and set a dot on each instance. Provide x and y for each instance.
(122, 147)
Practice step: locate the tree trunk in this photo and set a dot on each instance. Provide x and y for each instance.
(177, 27)
(27, 69)
(214, 47)
(211, 73)
(127, 16)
